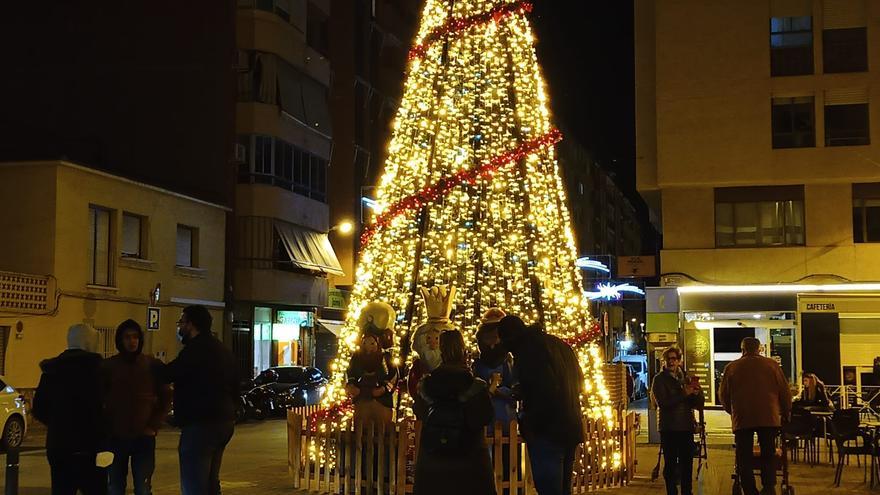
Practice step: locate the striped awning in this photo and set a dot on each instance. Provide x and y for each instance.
(308, 249)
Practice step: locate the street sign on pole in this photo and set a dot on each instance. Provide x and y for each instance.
(636, 266)
(153, 318)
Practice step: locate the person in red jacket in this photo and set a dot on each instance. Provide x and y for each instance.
(136, 404)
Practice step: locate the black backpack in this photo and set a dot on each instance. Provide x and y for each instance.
(445, 430)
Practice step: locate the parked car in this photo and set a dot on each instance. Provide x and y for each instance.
(13, 412)
(639, 365)
(279, 388)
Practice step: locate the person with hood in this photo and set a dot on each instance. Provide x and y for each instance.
(205, 378)
(550, 383)
(755, 393)
(69, 401)
(453, 457)
(136, 404)
(495, 367)
(677, 395)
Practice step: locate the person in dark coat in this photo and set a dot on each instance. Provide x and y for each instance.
(465, 470)
(813, 395)
(677, 396)
(69, 401)
(137, 403)
(550, 382)
(205, 378)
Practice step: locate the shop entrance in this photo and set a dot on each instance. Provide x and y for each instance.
(712, 341)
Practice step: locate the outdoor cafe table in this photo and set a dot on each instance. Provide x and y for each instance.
(825, 415)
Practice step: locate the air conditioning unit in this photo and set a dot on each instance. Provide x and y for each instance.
(240, 153)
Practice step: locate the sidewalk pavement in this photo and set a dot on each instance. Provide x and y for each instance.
(806, 479)
(256, 462)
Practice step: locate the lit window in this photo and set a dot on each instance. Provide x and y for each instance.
(759, 216)
(791, 46)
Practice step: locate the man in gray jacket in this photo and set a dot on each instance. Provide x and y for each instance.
(677, 396)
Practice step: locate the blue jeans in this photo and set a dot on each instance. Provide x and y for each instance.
(141, 451)
(201, 453)
(552, 465)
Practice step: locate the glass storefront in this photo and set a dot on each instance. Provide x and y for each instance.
(712, 341)
(278, 337)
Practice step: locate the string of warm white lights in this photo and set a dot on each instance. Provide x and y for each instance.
(474, 98)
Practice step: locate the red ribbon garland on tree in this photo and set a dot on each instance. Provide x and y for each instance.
(457, 25)
(446, 184)
(585, 337)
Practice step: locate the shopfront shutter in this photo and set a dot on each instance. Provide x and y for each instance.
(839, 14)
(791, 8)
(846, 96)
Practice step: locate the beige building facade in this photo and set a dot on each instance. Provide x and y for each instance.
(84, 246)
(758, 148)
(282, 256)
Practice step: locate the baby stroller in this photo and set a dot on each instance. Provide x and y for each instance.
(780, 461)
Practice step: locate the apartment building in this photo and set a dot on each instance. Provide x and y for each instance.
(282, 255)
(758, 144)
(84, 246)
(369, 43)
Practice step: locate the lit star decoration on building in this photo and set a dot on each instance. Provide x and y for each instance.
(471, 196)
(613, 292)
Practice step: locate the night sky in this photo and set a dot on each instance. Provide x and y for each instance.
(586, 51)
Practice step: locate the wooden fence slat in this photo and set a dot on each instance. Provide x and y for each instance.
(513, 465)
(349, 459)
(337, 450)
(294, 440)
(328, 450)
(358, 457)
(392, 459)
(306, 457)
(498, 451)
(380, 458)
(402, 448)
(371, 452)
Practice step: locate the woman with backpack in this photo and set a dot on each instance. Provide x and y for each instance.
(453, 457)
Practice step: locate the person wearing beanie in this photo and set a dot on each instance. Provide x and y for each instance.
(69, 401)
(136, 404)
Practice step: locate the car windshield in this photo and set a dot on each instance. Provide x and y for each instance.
(289, 375)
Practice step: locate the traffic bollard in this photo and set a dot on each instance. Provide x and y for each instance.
(11, 471)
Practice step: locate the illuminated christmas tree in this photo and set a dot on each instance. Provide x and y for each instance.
(471, 194)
